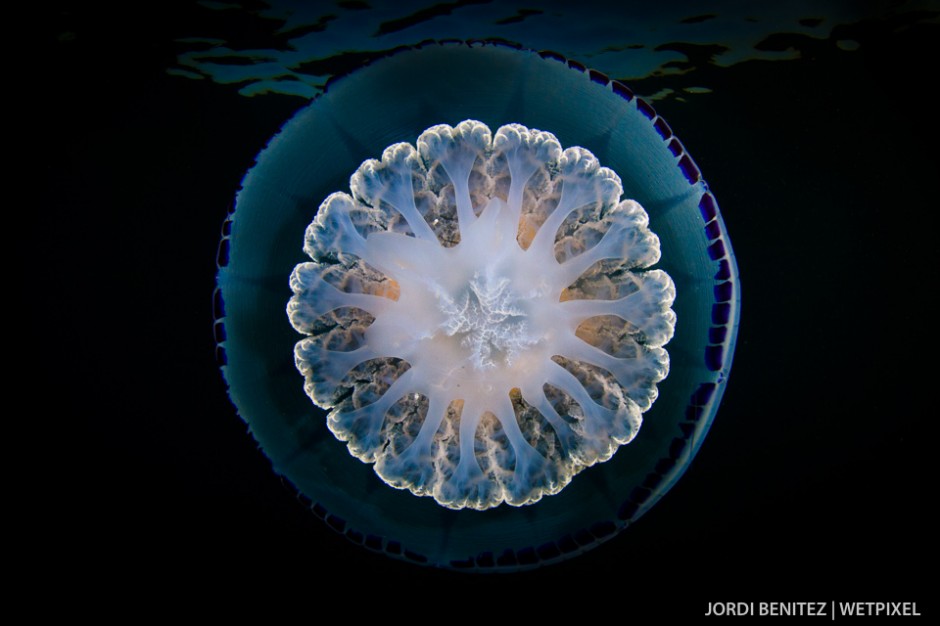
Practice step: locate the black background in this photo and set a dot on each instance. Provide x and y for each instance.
(814, 483)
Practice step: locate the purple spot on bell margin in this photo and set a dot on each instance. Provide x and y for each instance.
(598, 77)
(603, 529)
(486, 559)
(662, 128)
(414, 556)
(336, 523)
(645, 108)
(221, 356)
(694, 413)
(724, 270)
(583, 538)
(717, 334)
(567, 544)
(713, 357)
(551, 54)
(218, 333)
(664, 466)
(318, 510)
(222, 254)
(689, 169)
(627, 510)
(504, 43)
(653, 479)
(716, 250)
(548, 551)
(640, 495)
(676, 448)
(577, 66)
(507, 558)
(724, 291)
(707, 207)
(527, 556)
(713, 230)
(621, 90)
(703, 394)
(675, 146)
(721, 313)
(218, 305)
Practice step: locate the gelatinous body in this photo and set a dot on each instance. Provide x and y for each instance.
(518, 330)
(395, 100)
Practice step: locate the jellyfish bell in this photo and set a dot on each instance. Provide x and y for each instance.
(410, 99)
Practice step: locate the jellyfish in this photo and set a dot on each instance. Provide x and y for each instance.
(466, 215)
(473, 381)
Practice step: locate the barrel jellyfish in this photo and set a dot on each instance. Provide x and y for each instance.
(507, 246)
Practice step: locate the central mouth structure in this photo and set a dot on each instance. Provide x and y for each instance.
(482, 321)
(485, 305)
(490, 321)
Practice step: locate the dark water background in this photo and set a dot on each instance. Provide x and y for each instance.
(814, 484)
